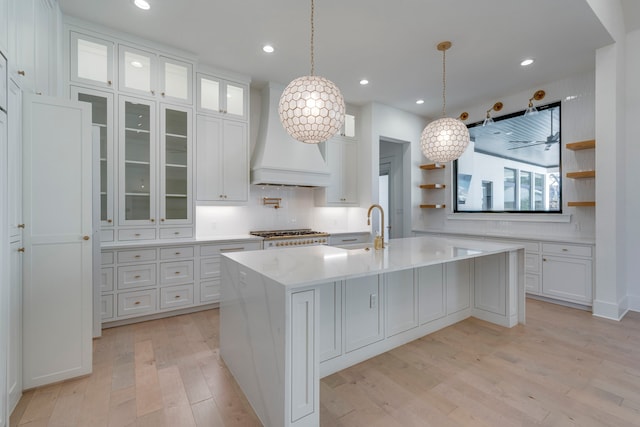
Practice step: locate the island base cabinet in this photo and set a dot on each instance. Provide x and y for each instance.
(431, 293)
(363, 313)
(491, 283)
(330, 339)
(401, 302)
(303, 391)
(458, 282)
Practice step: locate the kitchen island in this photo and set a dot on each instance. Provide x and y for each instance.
(291, 316)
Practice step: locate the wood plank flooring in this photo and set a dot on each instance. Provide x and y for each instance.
(564, 368)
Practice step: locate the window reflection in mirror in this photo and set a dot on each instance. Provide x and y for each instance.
(512, 165)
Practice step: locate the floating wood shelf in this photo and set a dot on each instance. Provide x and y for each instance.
(581, 174)
(432, 186)
(432, 166)
(582, 145)
(581, 204)
(433, 206)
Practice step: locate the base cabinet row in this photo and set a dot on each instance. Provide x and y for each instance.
(150, 280)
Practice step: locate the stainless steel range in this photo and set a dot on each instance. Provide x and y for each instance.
(276, 239)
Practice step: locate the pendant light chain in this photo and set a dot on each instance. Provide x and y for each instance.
(444, 82)
(313, 65)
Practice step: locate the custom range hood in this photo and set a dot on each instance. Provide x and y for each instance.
(278, 159)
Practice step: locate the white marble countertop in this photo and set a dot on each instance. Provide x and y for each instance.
(497, 235)
(189, 241)
(311, 265)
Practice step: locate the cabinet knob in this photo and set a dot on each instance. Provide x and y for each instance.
(137, 234)
(38, 93)
(109, 82)
(152, 219)
(20, 225)
(162, 93)
(21, 250)
(21, 72)
(85, 237)
(177, 297)
(544, 259)
(153, 92)
(109, 221)
(161, 219)
(177, 272)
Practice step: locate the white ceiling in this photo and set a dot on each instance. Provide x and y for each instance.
(390, 43)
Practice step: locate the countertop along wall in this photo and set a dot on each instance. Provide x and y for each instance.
(577, 95)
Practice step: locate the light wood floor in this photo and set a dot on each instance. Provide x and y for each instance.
(563, 368)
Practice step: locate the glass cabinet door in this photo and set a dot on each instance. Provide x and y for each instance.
(137, 70)
(102, 116)
(175, 169)
(221, 97)
(137, 162)
(176, 80)
(91, 60)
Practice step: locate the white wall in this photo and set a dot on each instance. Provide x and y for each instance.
(577, 95)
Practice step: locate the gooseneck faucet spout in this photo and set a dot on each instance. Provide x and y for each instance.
(381, 219)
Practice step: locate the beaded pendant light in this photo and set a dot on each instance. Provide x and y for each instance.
(311, 107)
(444, 139)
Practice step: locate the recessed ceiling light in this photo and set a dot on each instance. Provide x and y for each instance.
(268, 48)
(136, 64)
(420, 101)
(142, 4)
(526, 62)
(364, 82)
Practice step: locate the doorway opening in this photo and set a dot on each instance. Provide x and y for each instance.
(394, 186)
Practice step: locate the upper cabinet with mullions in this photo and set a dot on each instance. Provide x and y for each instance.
(222, 97)
(146, 73)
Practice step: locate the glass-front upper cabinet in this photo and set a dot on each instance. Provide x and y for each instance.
(175, 165)
(224, 97)
(176, 81)
(137, 71)
(137, 142)
(102, 117)
(91, 60)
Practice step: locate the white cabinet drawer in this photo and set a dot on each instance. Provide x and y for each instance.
(106, 258)
(348, 239)
(210, 291)
(176, 232)
(209, 250)
(176, 296)
(106, 307)
(136, 276)
(564, 249)
(137, 234)
(173, 273)
(137, 303)
(106, 279)
(137, 255)
(209, 267)
(177, 253)
(531, 263)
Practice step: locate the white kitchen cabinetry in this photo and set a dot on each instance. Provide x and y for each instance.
(567, 272)
(57, 281)
(4, 271)
(4, 24)
(32, 44)
(91, 60)
(218, 96)
(222, 157)
(154, 179)
(330, 339)
(14, 167)
(363, 312)
(349, 238)
(14, 363)
(401, 302)
(431, 293)
(102, 116)
(151, 280)
(341, 155)
(458, 278)
(149, 74)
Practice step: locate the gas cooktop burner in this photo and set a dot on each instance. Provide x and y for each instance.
(283, 234)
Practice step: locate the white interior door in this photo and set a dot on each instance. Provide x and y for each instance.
(57, 287)
(4, 274)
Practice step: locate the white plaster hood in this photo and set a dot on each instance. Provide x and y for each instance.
(278, 158)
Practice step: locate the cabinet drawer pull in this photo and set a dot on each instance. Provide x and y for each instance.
(176, 232)
(349, 240)
(21, 72)
(177, 297)
(137, 256)
(20, 225)
(137, 234)
(21, 250)
(177, 272)
(178, 253)
(136, 303)
(137, 276)
(565, 250)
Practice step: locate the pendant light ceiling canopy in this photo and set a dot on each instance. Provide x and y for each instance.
(444, 139)
(311, 107)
